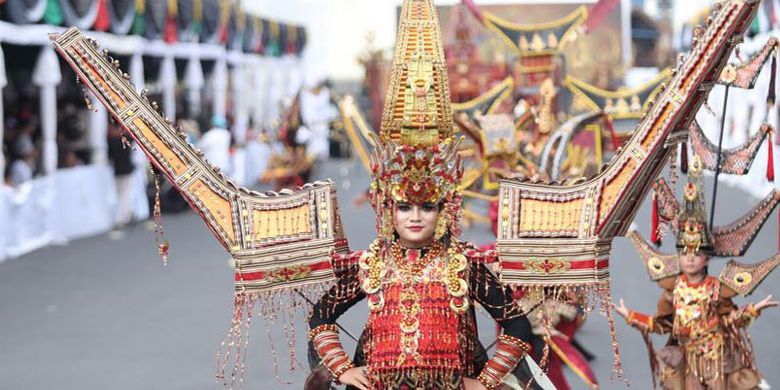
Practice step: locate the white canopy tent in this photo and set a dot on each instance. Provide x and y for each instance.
(71, 203)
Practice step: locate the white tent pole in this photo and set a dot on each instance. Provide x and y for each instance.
(47, 76)
(137, 71)
(259, 79)
(3, 83)
(98, 133)
(219, 82)
(193, 78)
(168, 83)
(240, 112)
(241, 118)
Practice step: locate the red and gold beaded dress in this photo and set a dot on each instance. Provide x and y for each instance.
(709, 347)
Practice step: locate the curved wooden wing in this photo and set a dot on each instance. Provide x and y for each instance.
(489, 102)
(744, 75)
(560, 234)
(560, 138)
(624, 103)
(277, 240)
(551, 36)
(358, 130)
(742, 279)
(735, 238)
(735, 161)
(659, 265)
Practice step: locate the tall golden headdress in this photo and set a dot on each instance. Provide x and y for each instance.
(417, 109)
(416, 158)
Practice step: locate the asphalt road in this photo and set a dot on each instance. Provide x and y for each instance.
(100, 313)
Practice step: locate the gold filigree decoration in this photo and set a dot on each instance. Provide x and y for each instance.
(547, 266)
(288, 274)
(656, 266)
(742, 279)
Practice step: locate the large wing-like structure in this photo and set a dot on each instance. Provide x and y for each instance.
(659, 265)
(277, 240)
(624, 103)
(742, 279)
(487, 103)
(358, 131)
(745, 74)
(735, 161)
(735, 238)
(560, 234)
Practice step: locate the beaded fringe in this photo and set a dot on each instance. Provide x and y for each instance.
(272, 307)
(590, 297)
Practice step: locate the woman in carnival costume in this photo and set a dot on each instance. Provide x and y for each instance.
(420, 281)
(708, 346)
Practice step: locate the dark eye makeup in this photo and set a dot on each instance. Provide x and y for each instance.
(403, 206)
(428, 207)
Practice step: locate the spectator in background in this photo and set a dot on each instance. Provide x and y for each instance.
(23, 166)
(215, 144)
(317, 112)
(72, 142)
(121, 158)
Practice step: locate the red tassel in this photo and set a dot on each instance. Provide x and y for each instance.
(102, 20)
(223, 34)
(770, 160)
(170, 29)
(654, 223)
(684, 158)
(611, 128)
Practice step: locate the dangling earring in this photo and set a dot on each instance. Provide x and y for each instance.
(388, 230)
(441, 228)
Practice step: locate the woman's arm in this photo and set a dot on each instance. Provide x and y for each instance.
(497, 300)
(324, 333)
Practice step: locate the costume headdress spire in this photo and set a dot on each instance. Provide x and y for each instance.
(417, 108)
(693, 232)
(416, 159)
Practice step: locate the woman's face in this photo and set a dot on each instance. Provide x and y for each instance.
(415, 223)
(693, 263)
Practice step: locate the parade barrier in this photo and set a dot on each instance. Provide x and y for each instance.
(69, 204)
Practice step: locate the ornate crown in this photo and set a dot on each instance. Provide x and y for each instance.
(416, 157)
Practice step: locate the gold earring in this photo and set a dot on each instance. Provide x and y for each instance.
(388, 228)
(441, 228)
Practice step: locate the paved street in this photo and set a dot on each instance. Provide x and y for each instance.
(105, 314)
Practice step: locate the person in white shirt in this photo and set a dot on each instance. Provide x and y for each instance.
(316, 113)
(215, 144)
(21, 169)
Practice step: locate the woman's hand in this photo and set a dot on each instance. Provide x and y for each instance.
(766, 302)
(622, 309)
(473, 384)
(356, 377)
